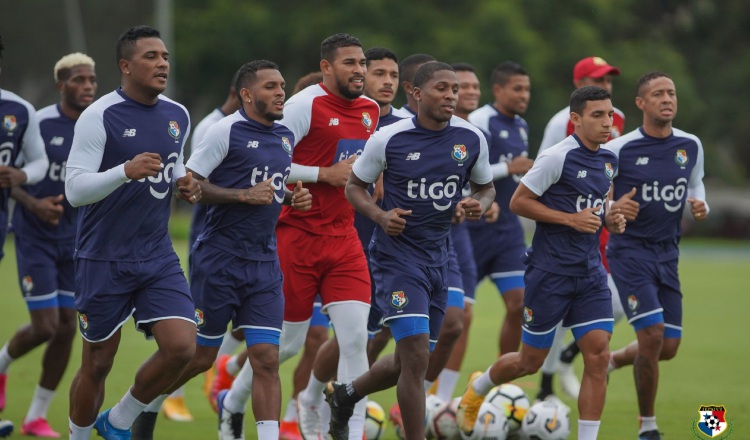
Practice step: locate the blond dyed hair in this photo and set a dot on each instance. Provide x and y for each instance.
(72, 60)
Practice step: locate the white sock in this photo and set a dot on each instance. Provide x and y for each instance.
(179, 392)
(125, 412)
(611, 365)
(228, 345)
(5, 359)
(483, 384)
(647, 424)
(40, 404)
(232, 366)
(552, 360)
(588, 429)
(238, 395)
(313, 393)
(447, 381)
(426, 385)
(155, 405)
(291, 411)
(267, 429)
(79, 433)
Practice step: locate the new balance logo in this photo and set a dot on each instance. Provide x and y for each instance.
(333, 122)
(412, 156)
(252, 144)
(642, 161)
(129, 132)
(57, 141)
(581, 174)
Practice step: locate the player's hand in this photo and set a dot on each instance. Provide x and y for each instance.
(143, 165)
(520, 165)
(301, 198)
(615, 221)
(260, 194)
(338, 174)
(586, 221)
(11, 176)
(627, 206)
(698, 209)
(471, 207)
(48, 209)
(493, 213)
(392, 221)
(188, 188)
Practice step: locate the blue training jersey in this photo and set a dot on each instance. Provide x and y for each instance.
(424, 171)
(665, 172)
(238, 152)
(569, 177)
(129, 224)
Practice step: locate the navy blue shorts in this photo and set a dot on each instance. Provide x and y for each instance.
(500, 257)
(455, 280)
(581, 303)
(649, 292)
(229, 288)
(465, 256)
(46, 273)
(109, 292)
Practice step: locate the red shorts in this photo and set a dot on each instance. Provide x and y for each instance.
(334, 267)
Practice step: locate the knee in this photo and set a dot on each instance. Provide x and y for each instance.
(452, 327)
(180, 353)
(669, 349)
(287, 350)
(44, 331)
(264, 360)
(651, 341)
(316, 336)
(202, 361)
(531, 364)
(98, 367)
(352, 342)
(514, 304)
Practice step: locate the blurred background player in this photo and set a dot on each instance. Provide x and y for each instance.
(21, 133)
(44, 224)
(406, 70)
(664, 165)
(590, 71)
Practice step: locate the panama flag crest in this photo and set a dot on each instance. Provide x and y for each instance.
(712, 421)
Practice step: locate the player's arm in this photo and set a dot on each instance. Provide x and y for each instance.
(696, 193)
(48, 209)
(526, 204)
(480, 181)
(35, 158)
(260, 194)
(614, 217)
(300, 198)
(357, 194)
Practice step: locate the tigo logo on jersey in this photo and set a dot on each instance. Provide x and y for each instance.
(609, 171)
(632, 303)
(366, 120)
(286, 145)
(712, 422)
(83, 321)
(528, 315)
(174, 129)
(459, 153)
(27, 283)
(199, 318)
(398, 299)
(9, 123)
(681, 158)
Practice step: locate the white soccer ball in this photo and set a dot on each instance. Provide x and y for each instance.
(546, 421)
(511, 399)
(491, 424)
(443, 425)
(374, 421)
(432, 404)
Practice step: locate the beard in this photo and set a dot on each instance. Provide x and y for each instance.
(343, 88)
(262, 109)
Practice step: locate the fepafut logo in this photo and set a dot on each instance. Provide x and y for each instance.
(712, 423)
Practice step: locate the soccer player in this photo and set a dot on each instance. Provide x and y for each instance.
(319, 250)
(45, 229)
(590, 71)
(425, 162)
(565, 192)
(20, 130)
(406, 70)
(125, 159)
(665, 167)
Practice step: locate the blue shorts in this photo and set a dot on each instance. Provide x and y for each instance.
(581, 303)
(229, 288)
(499, 255)
(319, 319)
(649, 292)
(108, 292)
(465, 256)
(455, 281)
(408, 289)
(46, 273)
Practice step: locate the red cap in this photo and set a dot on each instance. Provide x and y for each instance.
(593, 67)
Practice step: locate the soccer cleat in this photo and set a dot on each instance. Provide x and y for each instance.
(340, 412)
(468, 407)
(394, 415)
(38, 428)
(174, 408)
(3, 381)
(231, 425)
(144, 425)
(6, 428)
(568, 380)
(649, 435)
(433, 388)
(222, 381)
(107, 431)
(308, 420)
(289, 431)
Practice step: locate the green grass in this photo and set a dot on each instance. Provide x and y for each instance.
(707, 370)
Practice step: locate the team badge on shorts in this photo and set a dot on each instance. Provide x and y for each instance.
(609, 171)
(366, 120)
(712, 422)
(286, 145)
(459, 154)
(632, 303)
(681, 158)
(199, 321)
(174, 129)
(398, 299)
(9, 123)
(27, 284)
(528, 315)
(83, 321)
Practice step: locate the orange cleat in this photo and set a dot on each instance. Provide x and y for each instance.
(222, 381)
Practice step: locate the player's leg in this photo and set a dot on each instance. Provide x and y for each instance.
(448, 377)
(510, 285)
(551, 365)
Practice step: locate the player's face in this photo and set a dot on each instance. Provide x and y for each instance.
(267, 96)
(513, 97)
(604, 82)
(437, 97)
(593, 126)
(468, 92)
(349, 68)
(149, 65)
(381, 81)
(658, 100)
(79, 89)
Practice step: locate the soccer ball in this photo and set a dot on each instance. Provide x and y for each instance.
(546, 421)
(491, 424)
(443, 425)
(432, 404)
(512, 399)
(374, 421)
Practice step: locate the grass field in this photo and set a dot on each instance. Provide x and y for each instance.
(707, 370)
